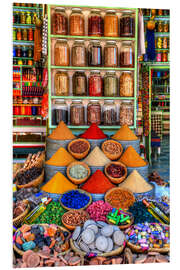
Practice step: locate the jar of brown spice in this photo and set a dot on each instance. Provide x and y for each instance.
(61, 53)
(78, 58)
(77, 113)
(76, 22)
(94, 112)
(59, 22)
(111, 24)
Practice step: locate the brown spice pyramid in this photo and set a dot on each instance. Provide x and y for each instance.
(135, 183)
(61, 158)
(131, 158)
(58, 184)
(125, 134)
(62, 132)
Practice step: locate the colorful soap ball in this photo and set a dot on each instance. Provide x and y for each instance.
(75, 199)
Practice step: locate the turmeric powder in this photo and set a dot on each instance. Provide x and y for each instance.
(125, 134)
(131, 158)
(60, 158)
(62, 132)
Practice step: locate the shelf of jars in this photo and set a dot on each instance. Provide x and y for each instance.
(95, 64)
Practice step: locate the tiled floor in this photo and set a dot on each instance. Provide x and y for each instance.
(161, 164)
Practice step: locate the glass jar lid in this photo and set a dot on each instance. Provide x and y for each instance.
(111, 42)
(95, 71)
(95, 41)
(125, 12)
(79, 41)
(80, 71)
(76, 10)
(111, 72)
(59, 9)
(109, 101)
(95, 11)
(94, 101)
(111, 11)
(77, 101)
(61, 40)
(60, 101)
(128, 102)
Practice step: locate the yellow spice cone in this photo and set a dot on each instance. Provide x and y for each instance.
(61, 158)
(125, 134)
(131, 158)
(62, 132)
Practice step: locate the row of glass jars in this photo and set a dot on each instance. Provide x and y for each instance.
(27, 5)
(93, 53)
(160, 26)
(96, 86)
(106, 114)
(23, 51)
(156, 12)
(23, 34)
(21, 17)
(109, 26)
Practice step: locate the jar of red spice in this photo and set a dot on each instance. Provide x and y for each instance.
(76, 22)
(94, 112)
(28, 110)
(95, 23)
(160, 12)
(30, 34)
(17, 110)
(18, 51)
(23, 110)
(77, 113)
(95, 53)
(164, 56)
(158, 56)
(19, 35)
(127, 55)
(95, 83)
(59, 22)
(39, 110)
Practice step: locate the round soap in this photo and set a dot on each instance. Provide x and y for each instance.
(88, 236)
(107, 230)
(93, 227)
(118, 238)
(115, 228)
(110, 244)
(89, 222)
(76, 233)
(101, 224)
(101, 243)
(92, 245)
(84, 247)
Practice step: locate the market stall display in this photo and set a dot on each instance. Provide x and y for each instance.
(112, 149)
(79, 148)
(116, 172)
(78, 172)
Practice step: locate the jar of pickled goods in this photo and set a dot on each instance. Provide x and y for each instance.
(166, 12)
(25, 34)
(165, 43)
(30, 34)
(30, 52)
(19, 35)
(160, 12)
(95, 53)
(110, 54)
(95, 84)
(59, 22)
(160, 27)
(61, 83)
(14, 51)
(18, 17)
(153, 12)
(34, 17)
(159, 42)
(24, 52)
(77, 113)
(23, 110)
(110, 84)
(23, 4)
(61, 53)
(23, 18)
(166, 26)
(59, 112)
(127, 24)
(94, 112)
(95, 23)
(127, 55)
(76, 22)
(111, 24)
(28, 18)
(79, 83)
(14, 33)
(30, 62)
(109, 113)
(126, 84)
(148, 11)
(16, 4)
(164, 56)
(158, 56)
(126, 113)
(29, 5)
(78, 58)
(18, 51)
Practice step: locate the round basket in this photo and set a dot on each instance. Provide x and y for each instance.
(123, 227)
(112, 179)
(111, 156)
(53, 145)
(81, 191)
(143, 171)
(136, 249)
(50, 171)
(95, 143)
(135, 144)
(74, 180)
(95, 168)
(106, 254)
(97, 197)
(72, 227)
(21, 252)
(79, 155)
(122, 189)
(34, 183)
(17, 221)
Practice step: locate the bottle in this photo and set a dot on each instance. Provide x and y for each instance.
(156, 212)
(37, 211)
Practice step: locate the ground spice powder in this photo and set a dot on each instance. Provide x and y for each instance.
(131, 158)
(62, 132)
(60, 158)
(94, 133)
(125, 134)
(58, 184)
(97, 183)
(96, 158)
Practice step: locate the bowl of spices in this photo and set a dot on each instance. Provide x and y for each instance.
(32, 177)
(112, 149)
(116, 172)
(74, 218)
(79, 148)
(78, 172)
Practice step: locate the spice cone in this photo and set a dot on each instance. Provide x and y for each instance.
(62, 132)
(125, 134)
(96, 158)
(131, 158)
(61, 158)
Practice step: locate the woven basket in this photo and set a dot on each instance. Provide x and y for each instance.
(53, 145)
(123, 227)
(112, 179)
(97, 197)
(17, 221)
(34, 183)
(135, 144)
(72, 227)
(110, 156)
(112, 253)
(136, 249)
(143, 171)
(20, 252)
(74, 180)
(95, 168)
(95, 143)
(79, 155)
(50, 171)
(82, 191)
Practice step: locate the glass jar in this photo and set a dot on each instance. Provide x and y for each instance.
(158, 56)
(30, 34)
(59, 112)
(18, 17)
(94, 112)
(127, 24)
(165, 43)
(30, 52)
(153, 12)
(14, 52)
(34, 18)
(95, 23)
(127, 55)
(110, 84)
(24, 34)
(77, 113)
(28, 18)
(59, 22)
(19, 36)
(164, 56)
(126, 83)
(126, 113)
(24, 52)
(111, 24)
(95, 53)
(166, 12)
(79, 83)
(61, 53)
(76, 22)
(14, 33)
(110, 54)
(160, 12)
(166, 26)
(159, 42)
(18, 51)
(109, 113)
(78, 58)
(61, 83)
(95, 84)
(160, 27)
(23, 18)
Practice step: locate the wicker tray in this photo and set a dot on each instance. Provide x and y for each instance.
(82, 191)
(139, 250)
(79, 155)
(112, 179)
(34, 183)
(20, 252)
(17, 221)
(74, 180)
(72, 227)
(110, 156)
